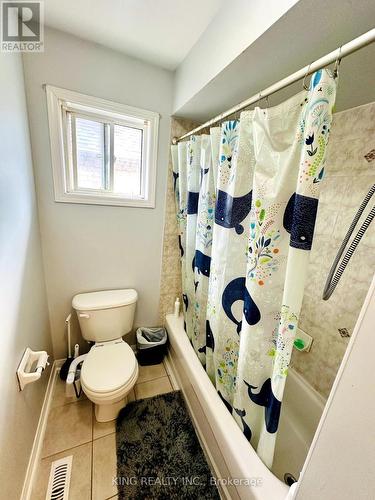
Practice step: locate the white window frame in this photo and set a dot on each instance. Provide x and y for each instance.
(59, 102)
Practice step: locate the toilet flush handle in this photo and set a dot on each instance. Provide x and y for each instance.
(84, 315)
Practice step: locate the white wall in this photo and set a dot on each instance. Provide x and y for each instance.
(88, 247)
(253, 44)
(24, 313)
(234, 28)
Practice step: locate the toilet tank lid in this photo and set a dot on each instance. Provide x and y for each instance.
(105, 299)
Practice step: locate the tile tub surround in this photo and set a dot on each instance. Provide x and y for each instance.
(349, 176)
(170, 287)
(73, 430)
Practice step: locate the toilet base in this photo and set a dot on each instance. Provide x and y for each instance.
(106, 413)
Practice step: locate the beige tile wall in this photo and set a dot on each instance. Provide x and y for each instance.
(349, 176)
(171, 270)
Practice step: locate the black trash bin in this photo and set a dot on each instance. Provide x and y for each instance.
(151, 345)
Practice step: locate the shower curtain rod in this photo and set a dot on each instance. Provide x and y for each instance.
(335, 55)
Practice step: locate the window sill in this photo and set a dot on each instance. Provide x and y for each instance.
(87, 199)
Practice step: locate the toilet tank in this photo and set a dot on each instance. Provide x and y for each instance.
(105, 315)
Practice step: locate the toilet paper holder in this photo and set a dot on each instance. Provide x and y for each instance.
(31, 367)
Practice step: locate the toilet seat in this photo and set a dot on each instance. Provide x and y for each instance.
(110, 368)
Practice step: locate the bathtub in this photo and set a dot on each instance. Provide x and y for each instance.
(301, 411)
(239, 471)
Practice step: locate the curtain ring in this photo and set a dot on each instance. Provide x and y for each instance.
(306, 87)
(337, 64)
(259, 99)
(267, 101)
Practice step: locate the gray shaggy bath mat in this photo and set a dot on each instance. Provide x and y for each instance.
(158, 452)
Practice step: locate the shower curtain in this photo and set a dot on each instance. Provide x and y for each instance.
(247, 199)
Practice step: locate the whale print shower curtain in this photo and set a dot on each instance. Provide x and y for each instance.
(247, 199)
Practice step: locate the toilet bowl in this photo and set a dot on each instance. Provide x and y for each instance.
(110, 369)
(108, 374)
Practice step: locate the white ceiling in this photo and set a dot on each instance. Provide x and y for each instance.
(158, 31)
(288, 45)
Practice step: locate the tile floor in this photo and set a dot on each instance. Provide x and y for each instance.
(73, 430)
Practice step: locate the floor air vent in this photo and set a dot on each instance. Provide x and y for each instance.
(59, 479)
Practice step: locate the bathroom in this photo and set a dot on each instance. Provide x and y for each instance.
(143, 75)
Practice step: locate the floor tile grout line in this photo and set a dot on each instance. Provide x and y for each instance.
(75, 400)
(92, 452)
(166, 369)
(92, 422)
(104, 435)
(67, 449)
(69, 402)
(170, 381)
(92, 471)
(151, 379)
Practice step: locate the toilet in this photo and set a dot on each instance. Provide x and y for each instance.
(110, 369)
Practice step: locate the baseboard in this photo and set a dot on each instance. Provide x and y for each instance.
(171, 372)
(40, 431)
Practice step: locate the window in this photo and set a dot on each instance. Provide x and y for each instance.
(102, 152)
